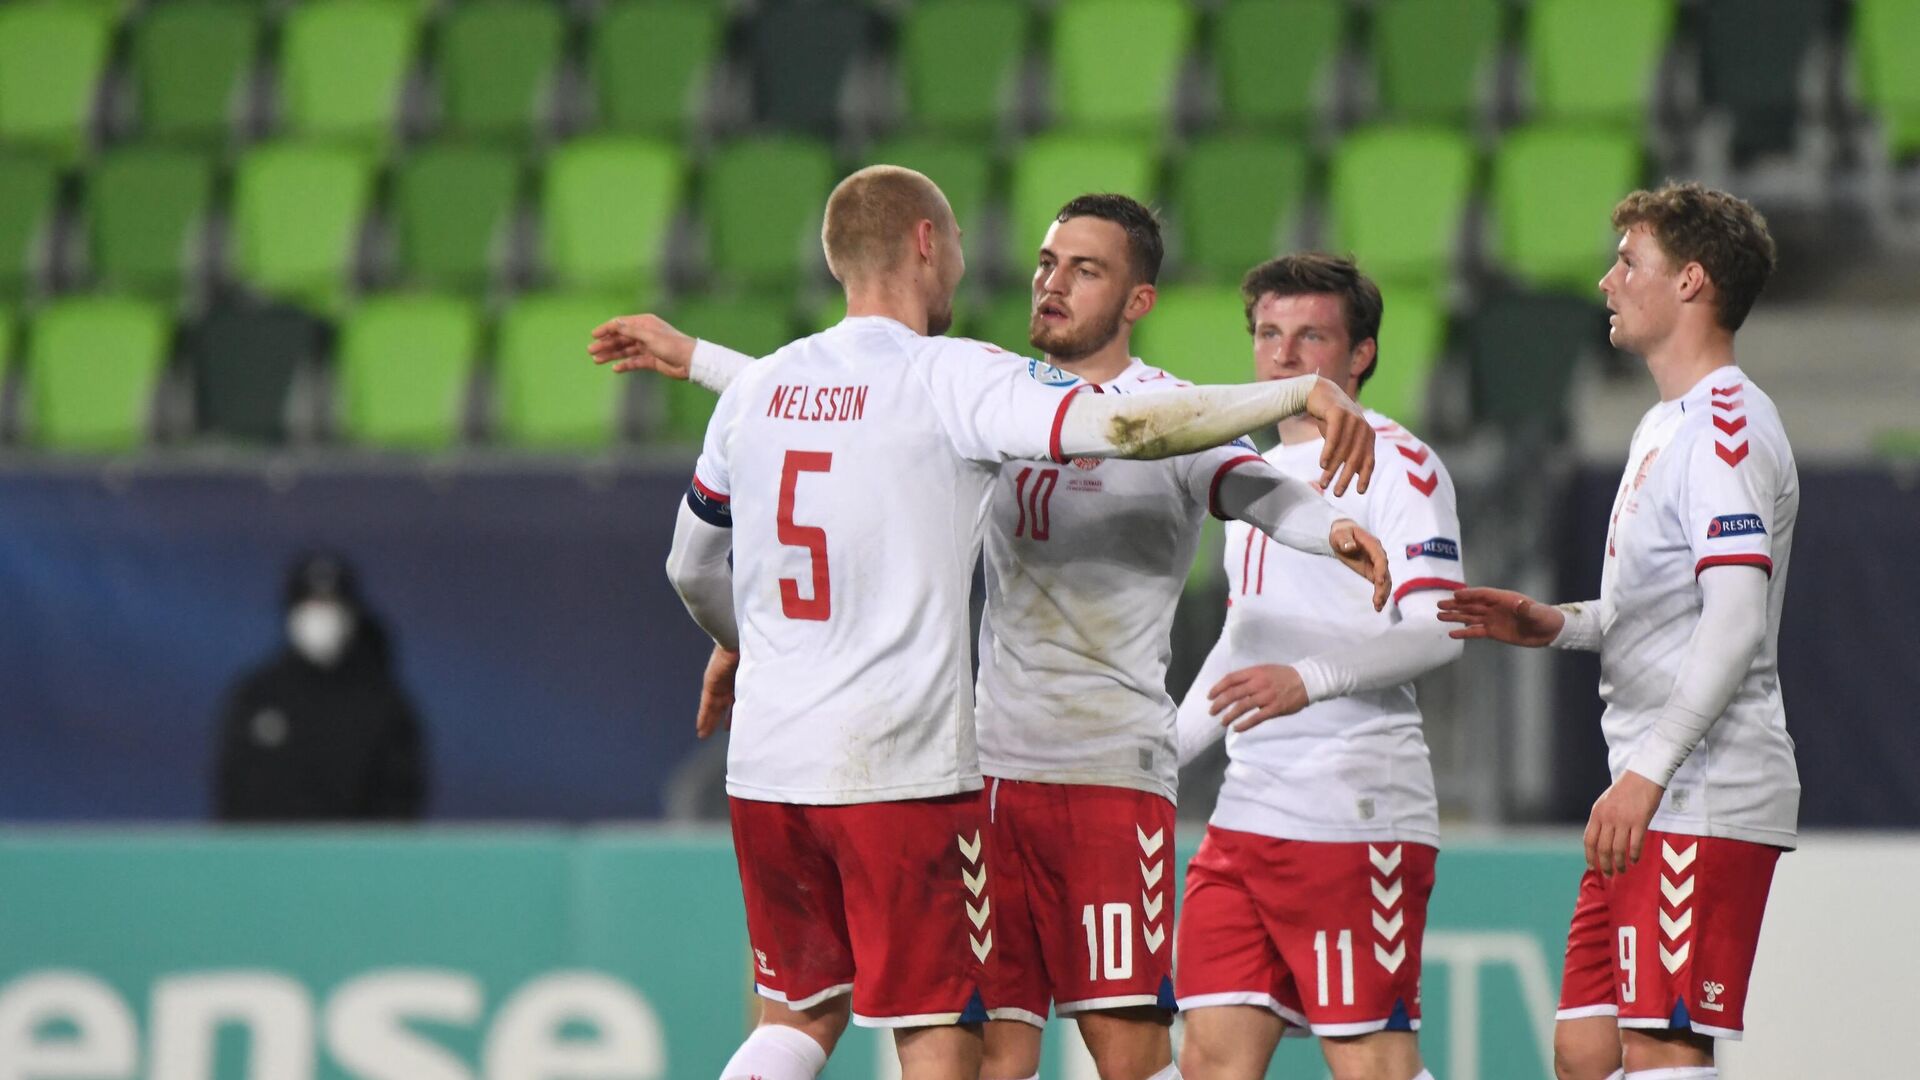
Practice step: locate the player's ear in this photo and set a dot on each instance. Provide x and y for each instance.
(1364, 356)
(925, 239)
(1693, 281)
(1140, 301)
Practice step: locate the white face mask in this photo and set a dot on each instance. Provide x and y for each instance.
(320, 630)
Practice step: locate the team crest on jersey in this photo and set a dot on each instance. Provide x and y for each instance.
(1727, 526)
(1047, 375)
(1086, 464)
(1437, 548)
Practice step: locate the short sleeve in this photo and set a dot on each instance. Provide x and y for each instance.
(1727, 505)
(1202, 472)
(710, 496)
(1418, 523)
(989, 403)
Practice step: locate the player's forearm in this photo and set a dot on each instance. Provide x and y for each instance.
(1415, 645)
(1731, 631)
(714, 366)
(1195, 728)
(1163, 425)
(1581, 631)
(1288, 510)
(697, 566)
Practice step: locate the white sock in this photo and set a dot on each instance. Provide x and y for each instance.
(1690, 1072)
(1171, 1072)
(776, 1052)
(1423, 1075)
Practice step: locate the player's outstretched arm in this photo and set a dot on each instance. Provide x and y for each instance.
(1194, 727)
(698, 568)
(1294, 514)
(1518, 619)
(651, 343)
(1195, 418)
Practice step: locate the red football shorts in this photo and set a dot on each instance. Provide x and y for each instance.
(1325, 935)
(886, 900)
(1670, 943)
(1082, 899)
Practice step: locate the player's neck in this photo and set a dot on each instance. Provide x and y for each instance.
(1299, 429)
(902, 305)
(1103, 365)
(1682, 361)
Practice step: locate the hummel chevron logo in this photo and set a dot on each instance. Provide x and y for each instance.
(982, 946)
(1676, 895)
(1152, 877)
(970, 852)
(1386, 864)
(1424, 484)
(1416, 455)
(1389, 928)
(1679, 860)
(1150, 844)
(1673, 928)
(1385, 895)
(1731, 427)
(1727, 406)
(1155, 935)
(979, 914)
(1672, 960)
(974, 882)
(1390, 960)
(1732, 455)
(1725, 391)
(1150, 905)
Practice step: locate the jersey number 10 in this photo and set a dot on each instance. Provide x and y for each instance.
(1035, 503)
(817, 607)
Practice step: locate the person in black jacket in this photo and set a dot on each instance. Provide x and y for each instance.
(323, 731)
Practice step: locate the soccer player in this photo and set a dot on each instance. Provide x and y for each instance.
(848, 477)
(1307, 900)
(1705, 795)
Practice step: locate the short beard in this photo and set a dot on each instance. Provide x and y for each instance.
(939, 322)
(1065, 345)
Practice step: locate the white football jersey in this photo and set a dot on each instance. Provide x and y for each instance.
(856, 467)
(1085, 562)
(1710, 481)
(1352, 768)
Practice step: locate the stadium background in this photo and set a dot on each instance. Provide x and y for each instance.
(281, 275)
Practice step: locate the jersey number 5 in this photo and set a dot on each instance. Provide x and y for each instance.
(817, 607)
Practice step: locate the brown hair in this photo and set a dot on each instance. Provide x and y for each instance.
(1145, 249)
(871, 212)
(1317, 272)
(1721, 232)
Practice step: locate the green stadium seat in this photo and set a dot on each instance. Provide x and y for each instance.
(550, 395)
(92, 364)
(51, 58)
(1553, 195)
(245, 358)
(801, 56)
(497, 63)
(605, 209)
(343, 64)
(147, 208)
(1522, 348)
(761, 233)
(1237, 198)
(297, 217)
(403, 368)
(1116, 62)
(1751, 55)
(680, 39)
(453, 210)
(1886, 37)
(1199, 333)
(1052, 169)
(1397, 196)
(961, 168)
(962, 60)
(1596, 61)
(1413, 332)
(191, 60)
(28, 189)
(1004, 321)
(1276, 60)
(1435, 56)
(755, 325)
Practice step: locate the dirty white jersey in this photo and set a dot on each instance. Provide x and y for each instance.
(855, 469)
(1710, 481)
(1351, 768)
(1084, 564)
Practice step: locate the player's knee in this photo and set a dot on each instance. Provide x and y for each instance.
(1204, 1058)
(1583, 1059)
(825, 1022)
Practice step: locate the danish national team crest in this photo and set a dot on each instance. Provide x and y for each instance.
(1728, 526)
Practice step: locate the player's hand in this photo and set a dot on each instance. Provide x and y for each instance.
(1617, 828)
(1255, 695)
(1348, 451)
(1502, 615)
(716, 693)
(1359, 551)
(642, 343)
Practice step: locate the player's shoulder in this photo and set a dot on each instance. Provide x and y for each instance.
(1144, 378)
(1728, 415)
(1403, 460)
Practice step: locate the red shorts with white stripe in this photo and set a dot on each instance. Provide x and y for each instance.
(1669, 944)
(1082, 899)
(884, 900)
(1326, 935)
